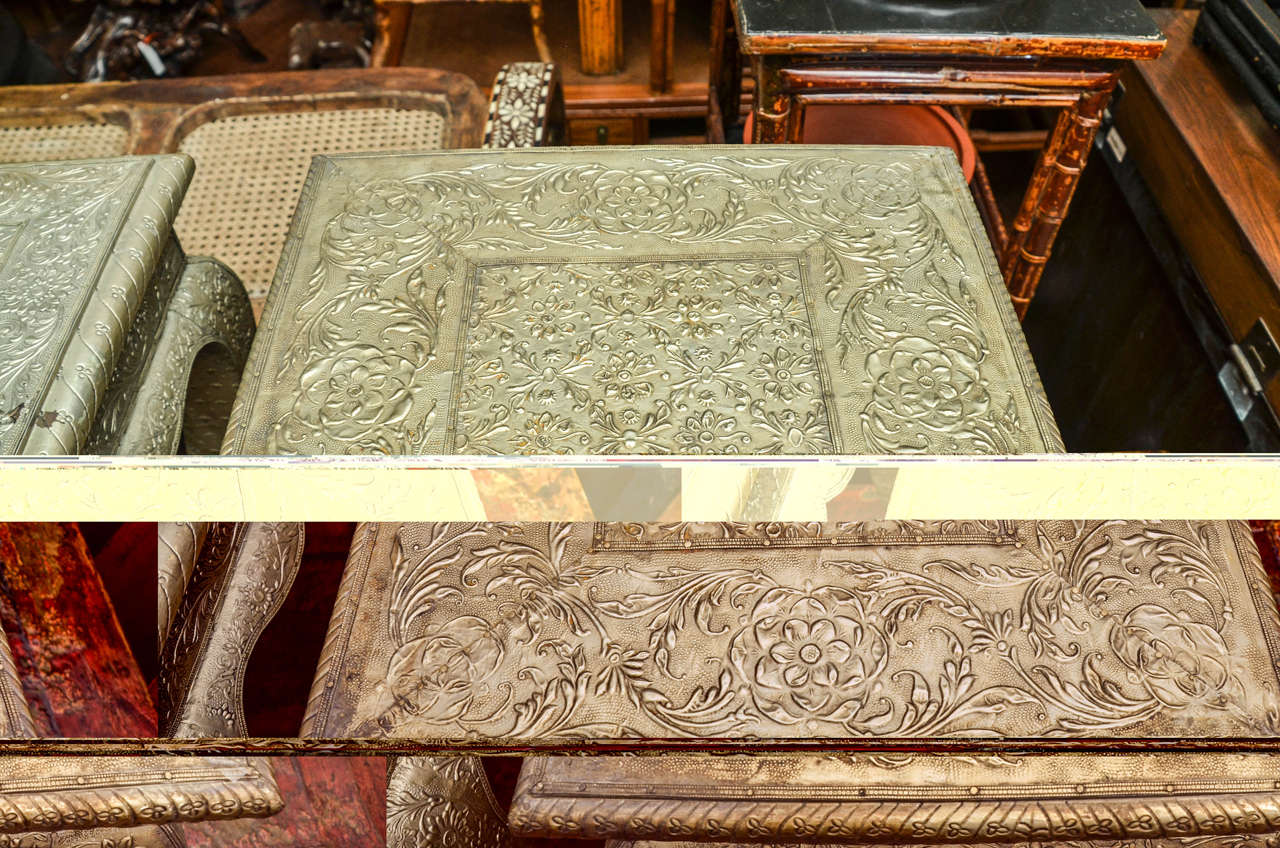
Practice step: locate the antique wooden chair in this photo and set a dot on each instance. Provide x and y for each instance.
(980, 54)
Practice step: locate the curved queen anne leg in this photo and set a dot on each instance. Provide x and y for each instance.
(442, 801)
(239, 581)
(177, 376)
(527, 107)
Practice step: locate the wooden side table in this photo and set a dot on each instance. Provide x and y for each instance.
(985, 53)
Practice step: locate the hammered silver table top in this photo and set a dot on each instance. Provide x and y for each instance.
(533, 633)
(718, 300)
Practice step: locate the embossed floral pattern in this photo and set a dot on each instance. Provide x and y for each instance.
(921, 391)
(1180, 661)
(437, 675)
(843, 630)
(627, 201)
(836, 279)
(809, 654)
(359, 394)
(668, 394)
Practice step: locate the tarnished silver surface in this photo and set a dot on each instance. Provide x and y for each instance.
(242, 575)
(57, 793)
(177, 547)
(795, 300)
(537, 632)
(144, 836)
(176, 381)
(905, 799)
(15, 715)
(435, 801)
(1251, 840)
(79, 244)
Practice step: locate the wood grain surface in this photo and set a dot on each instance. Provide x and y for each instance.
(1213, 164)
(79, 674)
(330, 802)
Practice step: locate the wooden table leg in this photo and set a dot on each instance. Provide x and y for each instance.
(724, 84)
(772, 111)
(539, 34)
(662, 45)
(1048, 196)
(600, 26)
(390, 27)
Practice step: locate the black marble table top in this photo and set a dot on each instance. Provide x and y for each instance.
(1067, 28)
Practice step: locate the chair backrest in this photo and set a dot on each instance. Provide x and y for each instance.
(252, 137)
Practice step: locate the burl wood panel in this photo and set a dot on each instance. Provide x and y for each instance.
(1213, 164)
(79, 674)
(329, 801)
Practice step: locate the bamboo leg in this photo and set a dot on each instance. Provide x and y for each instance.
(539, 34)
(391, 26)
(1048, 196)
(773, 112)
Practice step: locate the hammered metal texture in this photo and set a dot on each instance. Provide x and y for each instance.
(176, 379)
(640, 301)
(55, 793)
(250, 168)
(1234, 841)
(145, 836)
(901, 799)
(542, 632)
(435, 801)
(79, 243)
(177, 547)
(15, 715)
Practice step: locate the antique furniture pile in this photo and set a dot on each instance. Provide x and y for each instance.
(983, 54)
